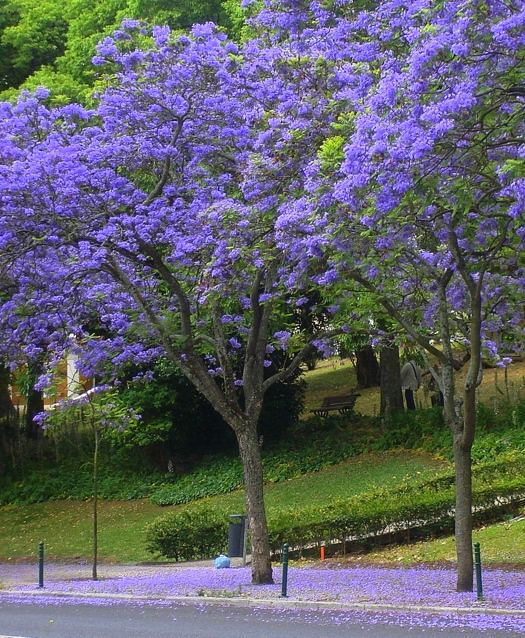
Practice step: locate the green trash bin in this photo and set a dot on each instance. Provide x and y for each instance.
(236, 536)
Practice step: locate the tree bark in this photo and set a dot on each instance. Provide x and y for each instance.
(463, 447)
(463, 436)
(463, 513)
(35, 402)
(463, 482)
(253, 483)
(7, 409)
(391, 395)
(7, 416)
(367, 368)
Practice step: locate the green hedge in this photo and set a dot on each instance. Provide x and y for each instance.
(427, 504)
(214, 475)
(199, 532)
(337, 438)
(75, 482)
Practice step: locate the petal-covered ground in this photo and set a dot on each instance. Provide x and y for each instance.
(373, 585)
(410, 586)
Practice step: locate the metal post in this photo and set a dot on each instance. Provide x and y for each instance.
(40, 564)
(477, 565)
(284, 588)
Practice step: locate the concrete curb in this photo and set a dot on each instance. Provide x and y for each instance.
(273, 602)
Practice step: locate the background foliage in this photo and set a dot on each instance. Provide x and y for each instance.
(51, 42)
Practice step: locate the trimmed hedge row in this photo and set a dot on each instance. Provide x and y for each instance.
(319, 443)
(200, 532)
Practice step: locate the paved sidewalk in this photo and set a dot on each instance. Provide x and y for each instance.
(14, 574)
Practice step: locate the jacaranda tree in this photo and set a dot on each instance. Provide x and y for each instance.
(421, 181)
(135, 230)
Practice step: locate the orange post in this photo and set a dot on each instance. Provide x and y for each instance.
(322, 552)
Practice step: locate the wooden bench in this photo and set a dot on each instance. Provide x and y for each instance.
(342, 404)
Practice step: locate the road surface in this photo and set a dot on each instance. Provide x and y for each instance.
(36, 620)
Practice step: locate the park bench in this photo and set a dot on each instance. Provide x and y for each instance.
(342, 404)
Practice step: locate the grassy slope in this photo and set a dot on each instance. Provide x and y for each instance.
(501, 543)
(65, 526)
(337, 376)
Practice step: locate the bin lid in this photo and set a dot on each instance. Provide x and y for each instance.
(238, 516)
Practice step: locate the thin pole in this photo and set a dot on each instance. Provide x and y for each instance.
(245, 541)
(95, 505)
(477, 564)
(40, 565)
(284, 587)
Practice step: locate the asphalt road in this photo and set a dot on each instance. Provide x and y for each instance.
(22, 620)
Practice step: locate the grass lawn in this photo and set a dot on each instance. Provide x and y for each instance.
(501, 543)
(65, 526)
(337, 376)
(350, 477)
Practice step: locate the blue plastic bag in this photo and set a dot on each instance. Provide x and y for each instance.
(221, 562)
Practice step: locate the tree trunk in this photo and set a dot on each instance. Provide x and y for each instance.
(253, 484)
(463, 436)
(95, 504)
(35, 405)
(35, 402)
(7, 420)
(462, 448)
(367, 368)
(7, 409)
(463, 514)
(391, 395)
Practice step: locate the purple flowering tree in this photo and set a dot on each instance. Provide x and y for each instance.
(421, 182)
(140, 229)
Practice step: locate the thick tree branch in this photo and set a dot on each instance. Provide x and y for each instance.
(222, 353)
(189, 362)
(159, 187)
(395, 314)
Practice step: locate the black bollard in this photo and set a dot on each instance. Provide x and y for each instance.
(284, 587)
(477, 565)
(40, 564)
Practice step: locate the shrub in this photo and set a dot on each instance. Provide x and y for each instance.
(223, 475)
(176, 417)
(316, 444)
(193, 533)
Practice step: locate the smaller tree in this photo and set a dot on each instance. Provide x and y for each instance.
(96, 410)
